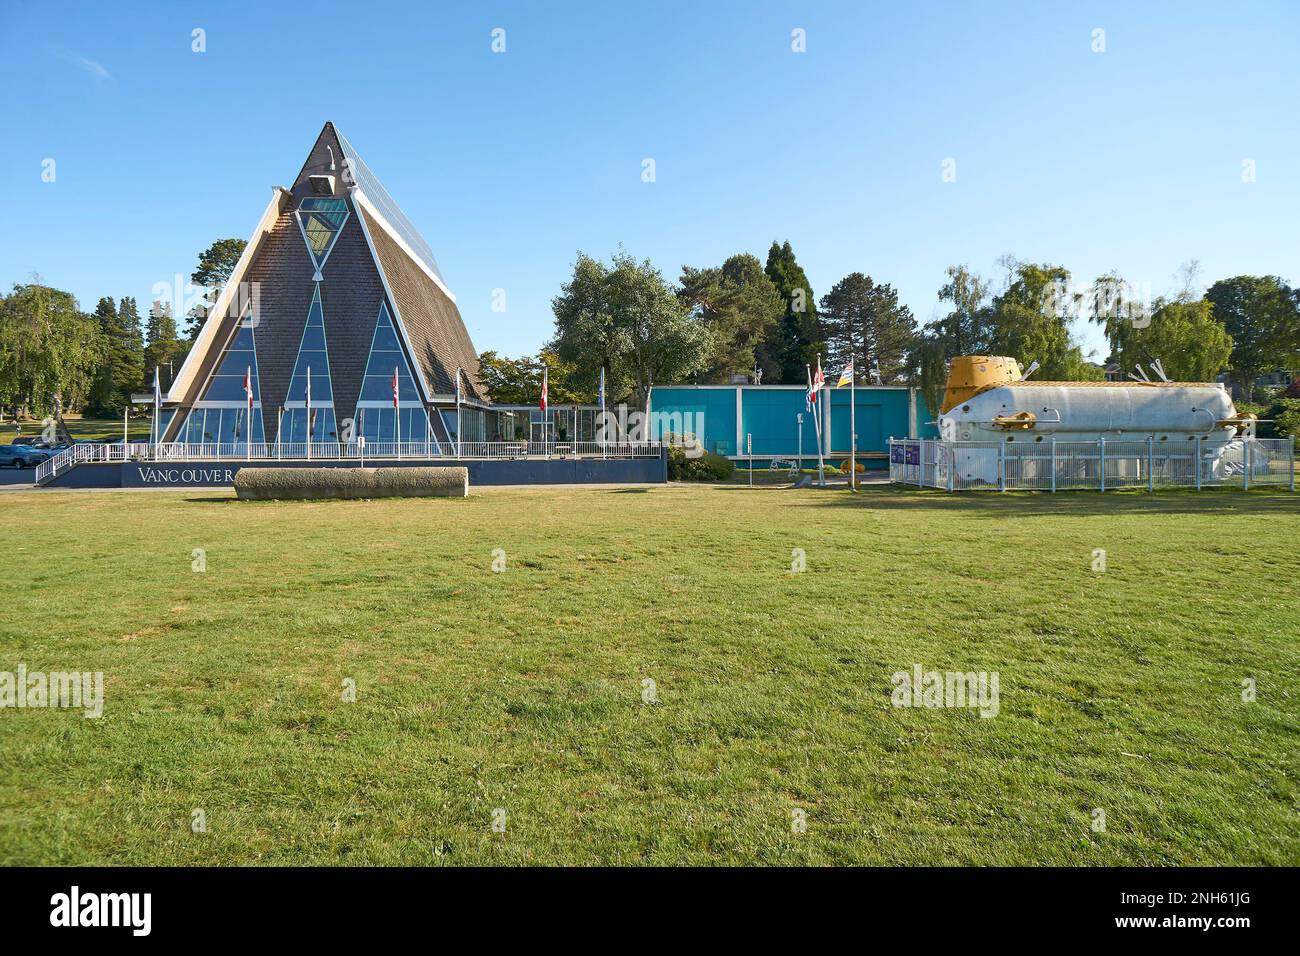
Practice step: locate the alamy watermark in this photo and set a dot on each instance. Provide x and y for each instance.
(77, 690)
(922, 688)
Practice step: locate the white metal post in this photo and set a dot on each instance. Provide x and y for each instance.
(309, 436)
(1101, 444)
(1198, 462)
(1151, 461)
(1002, 467)
(853, 432)
(1291, 462)
(1245, 460)
(1053, 463)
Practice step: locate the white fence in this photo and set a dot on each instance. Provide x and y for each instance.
(1049, 465)
(372, 451)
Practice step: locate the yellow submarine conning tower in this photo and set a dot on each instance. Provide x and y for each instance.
(968, 375)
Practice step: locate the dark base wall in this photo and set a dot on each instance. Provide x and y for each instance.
(221, 474)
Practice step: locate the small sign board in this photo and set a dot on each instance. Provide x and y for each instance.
(896, 453)
(912, 453)
(142, 398)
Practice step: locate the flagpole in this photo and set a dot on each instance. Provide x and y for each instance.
(309, 413)
(603, 422)
(397, 416)
(458, 421)
(157, 399)
(853, 429)
(248, 425)
(817, 425)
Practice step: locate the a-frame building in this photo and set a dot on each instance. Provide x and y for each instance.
(336, 296)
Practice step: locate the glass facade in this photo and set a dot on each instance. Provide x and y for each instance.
(377, 420)
(221, 414)
(321, 221)
(313, 359)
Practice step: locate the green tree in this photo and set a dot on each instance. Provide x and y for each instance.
(1030, 322)
(48, 348)
(1191, 345)
(163, 349)
(519, 381)
(741, 308)
(128, 351)
(626, 318)
(966, 329)
(797, 340)
(864, 321)
(104, 399)
(1262, 314)
(216, 263)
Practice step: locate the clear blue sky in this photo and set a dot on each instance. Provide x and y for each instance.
(508, 163)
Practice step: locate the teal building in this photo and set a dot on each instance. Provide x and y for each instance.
(727, 418)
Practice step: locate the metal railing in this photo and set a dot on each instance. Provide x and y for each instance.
(1044, 464)
(77, 454)
(298, 451)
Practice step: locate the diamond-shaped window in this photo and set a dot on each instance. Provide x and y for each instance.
(321, 221)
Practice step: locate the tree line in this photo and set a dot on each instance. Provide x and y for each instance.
(746, 317)
(53, 355)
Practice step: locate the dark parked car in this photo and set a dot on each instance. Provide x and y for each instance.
(22, 456)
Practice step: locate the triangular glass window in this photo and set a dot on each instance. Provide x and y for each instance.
(221, 413)
(378, 421)
(297, 424)
(321, 221)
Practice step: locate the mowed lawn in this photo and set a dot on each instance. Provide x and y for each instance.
(1120, 690)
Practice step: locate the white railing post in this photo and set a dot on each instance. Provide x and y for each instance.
(1198, 462)
(1101, 444)
(1151, 459)
(1002, 467)
(1053, 463)
(1291, 460)
(1245, 464)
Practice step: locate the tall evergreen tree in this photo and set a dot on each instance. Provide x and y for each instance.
(864, 322)
(163, 349)
(103, 399)
(796, 339)
(216, 263)
(128, 369)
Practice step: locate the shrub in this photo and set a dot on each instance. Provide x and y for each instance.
(706, 467)
(1285, 415)
(265, 484)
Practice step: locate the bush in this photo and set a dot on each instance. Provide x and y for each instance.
(706, 467)
(1285, 415)
(267, 484)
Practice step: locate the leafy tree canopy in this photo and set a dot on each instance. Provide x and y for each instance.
(623, 316)
(741, 309)
(48, 348)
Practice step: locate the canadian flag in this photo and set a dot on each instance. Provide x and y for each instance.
(545, 382)
(248, 387)
(394, 387)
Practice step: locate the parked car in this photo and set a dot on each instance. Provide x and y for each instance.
(22, 456)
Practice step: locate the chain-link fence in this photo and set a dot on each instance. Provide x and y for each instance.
(1044, 464)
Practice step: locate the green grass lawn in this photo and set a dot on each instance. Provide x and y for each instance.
(523, 690)
(99, 429)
